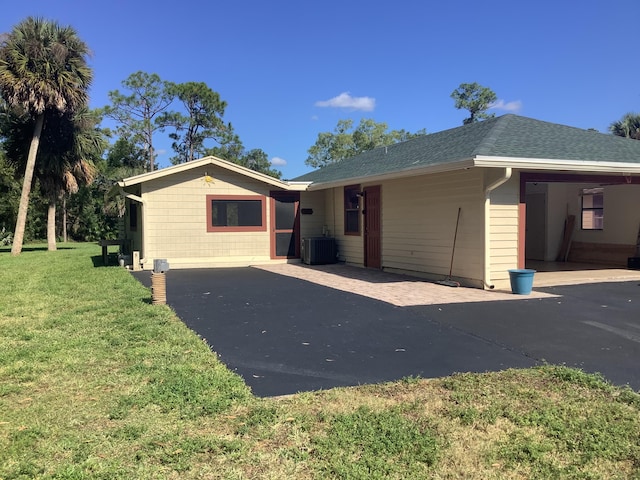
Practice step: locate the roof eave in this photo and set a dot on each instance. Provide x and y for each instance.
(490, 162)
(298, 186)
(405, 172)
(556, 164)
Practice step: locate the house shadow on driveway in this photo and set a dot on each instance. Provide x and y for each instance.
(591, 326)
(285, 334)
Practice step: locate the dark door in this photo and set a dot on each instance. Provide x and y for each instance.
(285, 225)
(372, 227)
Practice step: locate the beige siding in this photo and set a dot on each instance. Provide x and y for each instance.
(350, 247)
(330, 213)
(312, 225)
(418, 225)
(176, 223)
(419, 220)
(503, 231)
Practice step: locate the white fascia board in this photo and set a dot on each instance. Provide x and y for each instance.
(556, 165)
(298, 186)
(406, 172)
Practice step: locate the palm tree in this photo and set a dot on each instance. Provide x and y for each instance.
(68, 147)
(69, 161)
(628, 126)
(42, 66)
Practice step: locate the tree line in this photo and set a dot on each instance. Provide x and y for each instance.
(55, 152)
(197, 127)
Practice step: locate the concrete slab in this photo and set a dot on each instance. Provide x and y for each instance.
(549, 274)
(398, 290)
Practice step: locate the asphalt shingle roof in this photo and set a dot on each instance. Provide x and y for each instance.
(506, 136)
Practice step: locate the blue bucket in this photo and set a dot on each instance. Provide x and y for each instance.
(521, 280)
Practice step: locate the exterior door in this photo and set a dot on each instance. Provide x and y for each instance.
(285, 225)
(372, 227)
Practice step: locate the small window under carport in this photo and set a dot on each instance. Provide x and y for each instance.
(592, 217)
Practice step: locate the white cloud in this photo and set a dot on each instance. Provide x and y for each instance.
(345, 100)
(514, 106)
(278, 161)
(314, 117)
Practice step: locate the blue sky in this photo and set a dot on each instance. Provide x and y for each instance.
(291, 69)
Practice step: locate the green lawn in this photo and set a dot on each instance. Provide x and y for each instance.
(95, 382)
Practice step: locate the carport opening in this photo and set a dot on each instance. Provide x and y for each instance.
(580, 223)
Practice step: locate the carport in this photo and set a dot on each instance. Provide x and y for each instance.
(579, 219)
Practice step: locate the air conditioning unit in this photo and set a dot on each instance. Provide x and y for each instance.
(318, 250)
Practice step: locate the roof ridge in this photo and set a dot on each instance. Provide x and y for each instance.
(488, 142)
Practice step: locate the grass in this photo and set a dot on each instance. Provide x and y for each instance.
(95, 382)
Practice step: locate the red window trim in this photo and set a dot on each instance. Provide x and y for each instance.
(261, 228)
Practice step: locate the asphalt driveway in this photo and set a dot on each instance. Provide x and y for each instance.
(284, 334)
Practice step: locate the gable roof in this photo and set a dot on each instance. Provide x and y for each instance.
(506, 141)
(234, 167)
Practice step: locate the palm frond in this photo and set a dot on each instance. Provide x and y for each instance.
(44, 65)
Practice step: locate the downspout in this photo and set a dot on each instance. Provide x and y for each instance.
(487, 224)
(141, 201)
